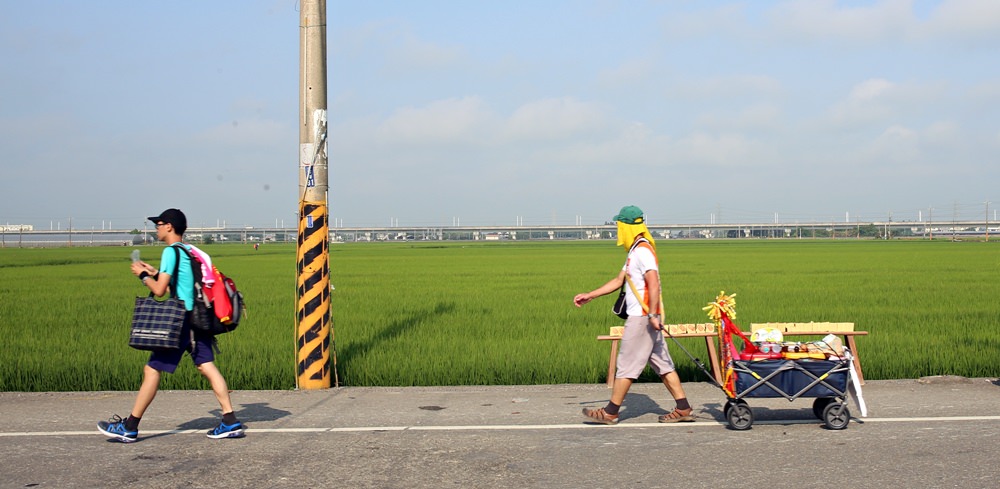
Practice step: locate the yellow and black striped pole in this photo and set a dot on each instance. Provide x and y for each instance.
(315, 355)
(314, 335)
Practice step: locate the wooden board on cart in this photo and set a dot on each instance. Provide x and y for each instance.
(792, 328)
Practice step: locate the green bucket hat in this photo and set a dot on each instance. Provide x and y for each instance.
(630, 214)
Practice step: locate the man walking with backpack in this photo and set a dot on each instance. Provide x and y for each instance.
(170, 227)
(642, 340)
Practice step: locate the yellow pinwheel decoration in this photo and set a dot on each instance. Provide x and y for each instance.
(723, 305)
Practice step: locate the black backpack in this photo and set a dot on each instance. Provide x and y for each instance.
(205, 316)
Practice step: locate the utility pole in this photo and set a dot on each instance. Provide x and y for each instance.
(315, 355)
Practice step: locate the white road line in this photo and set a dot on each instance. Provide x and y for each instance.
(369, 429)
(928, 418)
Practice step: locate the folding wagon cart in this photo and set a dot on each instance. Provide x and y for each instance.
(754, 373)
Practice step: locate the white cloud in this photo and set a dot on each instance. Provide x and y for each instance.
(732, 86)
(417, 53)
(627, 145)
(450, 121)
(938, 150)
(798, 20)
(248, 132)
(393, 44)
(753, 118)
(730, 19)
(469, 122)
(725, 150)
(826, 19)
(964, 19)
(868, 90)
(986, 93)
(553, 120)
(630, 72)
(881, 21)
(865, 103)
(895, 135)
(943, 133)
(879, 100)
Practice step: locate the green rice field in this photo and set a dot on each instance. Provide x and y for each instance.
(476, 313)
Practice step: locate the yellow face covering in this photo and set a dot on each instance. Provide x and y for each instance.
(627, 233)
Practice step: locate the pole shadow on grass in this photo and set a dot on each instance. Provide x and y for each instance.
(393, 330)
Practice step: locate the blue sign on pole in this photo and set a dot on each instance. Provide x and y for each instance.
(310, 177)
(309, 222)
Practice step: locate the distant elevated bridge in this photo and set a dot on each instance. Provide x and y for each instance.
(830, 230)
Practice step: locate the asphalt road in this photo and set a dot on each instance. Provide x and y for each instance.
(934, 432)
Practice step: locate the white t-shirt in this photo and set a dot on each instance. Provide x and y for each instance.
(639, 261)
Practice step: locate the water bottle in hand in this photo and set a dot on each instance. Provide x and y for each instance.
(135, 256)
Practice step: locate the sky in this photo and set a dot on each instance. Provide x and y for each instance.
(537, 112)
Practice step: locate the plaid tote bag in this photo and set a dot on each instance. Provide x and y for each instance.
(156, 325)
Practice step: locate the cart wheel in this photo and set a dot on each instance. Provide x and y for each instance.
(820, 404)
(740, 416)
(836, 416)
(725, 410)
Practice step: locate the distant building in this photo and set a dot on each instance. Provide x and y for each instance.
(13, 228)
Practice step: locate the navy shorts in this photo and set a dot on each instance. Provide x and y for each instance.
(202, 352)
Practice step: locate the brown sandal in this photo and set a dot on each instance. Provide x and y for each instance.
(600, 416)
(677, 416)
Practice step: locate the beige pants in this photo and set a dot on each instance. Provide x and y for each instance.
(642, 345)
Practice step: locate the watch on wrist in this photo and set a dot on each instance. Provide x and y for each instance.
(651, 316)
